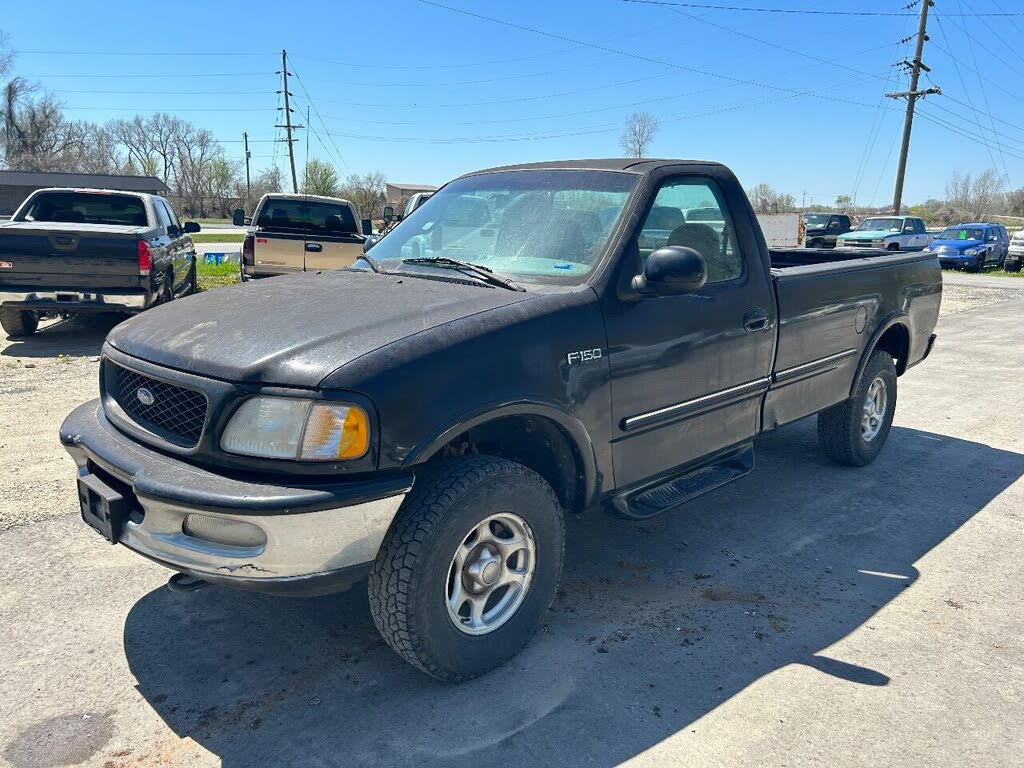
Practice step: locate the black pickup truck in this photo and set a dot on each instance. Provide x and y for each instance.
(822, 229)
(426, 420)
(70, 251)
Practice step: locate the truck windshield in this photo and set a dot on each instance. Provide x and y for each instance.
(85, 208)
(881, 225)
(816, 219)
(962, 233)
(539, 226)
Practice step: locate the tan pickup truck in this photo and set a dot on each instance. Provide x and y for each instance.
(296, 233)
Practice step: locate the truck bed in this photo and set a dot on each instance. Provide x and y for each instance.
(830, 302)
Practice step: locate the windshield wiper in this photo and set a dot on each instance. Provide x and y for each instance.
(485, 274)
(374, 264)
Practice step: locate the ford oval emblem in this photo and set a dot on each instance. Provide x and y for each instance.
(145, 396)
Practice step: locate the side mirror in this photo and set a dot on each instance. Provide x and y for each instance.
(389, 214)
(367, 226)
(191, 227)
(672, 271)
(370, 241)
(238, 217)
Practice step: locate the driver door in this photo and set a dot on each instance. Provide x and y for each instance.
(688, 372)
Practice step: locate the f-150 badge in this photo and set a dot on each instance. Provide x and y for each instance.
(583, 356)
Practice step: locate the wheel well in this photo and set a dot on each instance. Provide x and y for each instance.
(533, 441)
(896, 341)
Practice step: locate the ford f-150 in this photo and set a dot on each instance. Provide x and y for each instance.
(428, 416)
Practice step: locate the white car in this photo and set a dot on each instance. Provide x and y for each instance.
(1015, 254)
(894, 233)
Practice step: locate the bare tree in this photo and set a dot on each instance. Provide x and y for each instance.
(366, 192)
(320, 178)
(766, 199)
(973, 198)
(266, 181)
(638, 133)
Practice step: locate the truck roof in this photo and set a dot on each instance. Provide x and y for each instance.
(630, 164)
(300, 196)
(98, 191)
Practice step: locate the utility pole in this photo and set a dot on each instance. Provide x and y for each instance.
(248, 183)
(912, 96)
(288, 119)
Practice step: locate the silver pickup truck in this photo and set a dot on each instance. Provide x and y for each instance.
(299, 233)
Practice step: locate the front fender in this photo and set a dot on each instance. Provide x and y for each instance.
(570, 424)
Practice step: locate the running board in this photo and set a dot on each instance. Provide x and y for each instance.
(669, 494)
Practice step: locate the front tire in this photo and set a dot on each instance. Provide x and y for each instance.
(469, 567)
(854, 431)
(192, 284)
(18, 322)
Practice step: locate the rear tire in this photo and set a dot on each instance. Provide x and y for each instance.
(423, 577)
(167, 289)
(18, 322)
(854, 431)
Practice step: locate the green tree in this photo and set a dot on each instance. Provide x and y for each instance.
(320, 178)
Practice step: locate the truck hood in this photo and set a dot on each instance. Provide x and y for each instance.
(872, 234)
(296, 330)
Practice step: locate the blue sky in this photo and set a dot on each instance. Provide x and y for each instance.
(424, 93)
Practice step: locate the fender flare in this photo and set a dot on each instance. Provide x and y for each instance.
(892, 319)
(576, 431)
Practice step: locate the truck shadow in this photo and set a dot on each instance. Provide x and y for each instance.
(657, 624)
(80, 335)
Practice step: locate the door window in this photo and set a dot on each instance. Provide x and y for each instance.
(691, 212)
(170, 215)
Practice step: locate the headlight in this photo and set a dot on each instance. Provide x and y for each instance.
(972, 251)
(292, 428)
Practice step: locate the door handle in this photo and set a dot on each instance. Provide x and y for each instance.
(314, 247)
(755, 320)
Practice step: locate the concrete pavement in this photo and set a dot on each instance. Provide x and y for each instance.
(808, 614)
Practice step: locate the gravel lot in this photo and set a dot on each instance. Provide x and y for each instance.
(805, 615)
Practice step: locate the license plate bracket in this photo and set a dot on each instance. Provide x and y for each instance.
(103, 508)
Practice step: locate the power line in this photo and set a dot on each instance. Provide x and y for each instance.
(960, 132)
(190, 54)
(606, 49)
(316, 111)
(807, 11)
(150, 75)
(967, 93)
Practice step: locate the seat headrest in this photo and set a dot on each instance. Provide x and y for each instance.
(665, 217)
(701, 237)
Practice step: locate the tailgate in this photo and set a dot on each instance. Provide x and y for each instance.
(45, 255)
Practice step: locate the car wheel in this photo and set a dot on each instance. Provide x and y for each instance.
(18, 322)
(892, 247)
(469, 567)
(814, 244)
(854, 431)
(1015, 267)
(167, 288)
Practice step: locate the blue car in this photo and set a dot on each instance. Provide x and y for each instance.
(971, 247)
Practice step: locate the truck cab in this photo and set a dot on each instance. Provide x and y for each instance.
(297, 233)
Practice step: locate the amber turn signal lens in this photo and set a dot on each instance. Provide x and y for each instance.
(335, 431)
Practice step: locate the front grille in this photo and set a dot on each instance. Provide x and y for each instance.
(171, 411)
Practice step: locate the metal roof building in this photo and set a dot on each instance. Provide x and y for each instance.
(15, 186)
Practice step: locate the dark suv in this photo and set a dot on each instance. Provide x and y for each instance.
(823, 228)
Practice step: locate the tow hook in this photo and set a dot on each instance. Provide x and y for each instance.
(183, 582)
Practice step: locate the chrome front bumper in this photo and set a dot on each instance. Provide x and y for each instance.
(285, 539)
(75, 300)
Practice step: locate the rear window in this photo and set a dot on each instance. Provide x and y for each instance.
(306, 216)
(86, 208)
